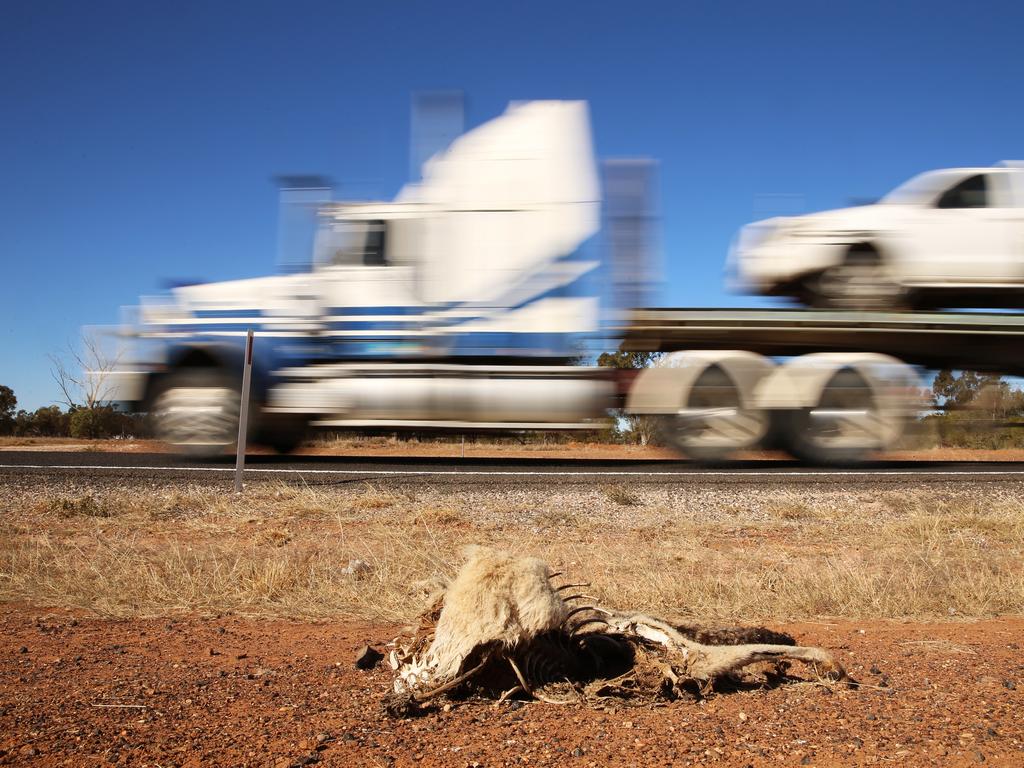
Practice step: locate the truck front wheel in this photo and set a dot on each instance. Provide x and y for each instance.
(196, 411)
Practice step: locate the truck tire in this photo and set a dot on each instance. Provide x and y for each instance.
(196, 411)
(713, 423)
(859, 282)
(283, 433)
(837, 431)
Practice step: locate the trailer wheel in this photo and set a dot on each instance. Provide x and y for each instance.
(844, 428)
(196, 410)
(713, 423)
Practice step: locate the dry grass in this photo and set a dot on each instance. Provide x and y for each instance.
(621, 495)
(279, 550)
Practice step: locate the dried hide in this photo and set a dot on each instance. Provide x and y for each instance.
(504, 628)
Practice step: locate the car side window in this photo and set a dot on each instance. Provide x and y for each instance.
(972, 192)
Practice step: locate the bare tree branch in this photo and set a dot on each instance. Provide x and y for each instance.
(83, 373)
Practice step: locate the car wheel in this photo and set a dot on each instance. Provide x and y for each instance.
(861, 281)
(196, 411)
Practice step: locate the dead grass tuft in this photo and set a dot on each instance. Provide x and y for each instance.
(84, 506)
(621, 495)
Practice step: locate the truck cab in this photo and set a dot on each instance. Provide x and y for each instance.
(458, 305)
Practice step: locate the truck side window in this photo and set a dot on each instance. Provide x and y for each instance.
(355, 243)
(374, 253)
(972, 192)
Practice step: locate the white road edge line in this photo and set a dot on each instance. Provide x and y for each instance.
(554, 473)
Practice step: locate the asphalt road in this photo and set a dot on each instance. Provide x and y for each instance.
(328, 470)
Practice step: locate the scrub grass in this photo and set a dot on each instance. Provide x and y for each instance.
(282, 550)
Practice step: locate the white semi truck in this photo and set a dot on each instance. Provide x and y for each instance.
(463, 305)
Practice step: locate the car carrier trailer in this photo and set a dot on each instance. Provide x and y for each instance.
(829, 386)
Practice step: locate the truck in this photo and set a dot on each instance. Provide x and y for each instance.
(468, 304)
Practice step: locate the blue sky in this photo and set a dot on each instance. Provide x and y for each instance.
(138, 139)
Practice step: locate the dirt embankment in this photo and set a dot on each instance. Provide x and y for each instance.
(476, 448)
(80, 691)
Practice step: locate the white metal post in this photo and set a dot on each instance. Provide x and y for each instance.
(243, 414)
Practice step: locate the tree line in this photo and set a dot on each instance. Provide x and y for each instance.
(96, 422)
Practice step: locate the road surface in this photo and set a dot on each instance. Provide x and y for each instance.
(330, 470)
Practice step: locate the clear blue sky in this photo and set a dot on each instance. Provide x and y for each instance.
(137, 139)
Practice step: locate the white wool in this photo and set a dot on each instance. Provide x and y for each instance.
(495, 598)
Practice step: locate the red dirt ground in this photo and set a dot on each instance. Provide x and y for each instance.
(384, 447)
(80, 691)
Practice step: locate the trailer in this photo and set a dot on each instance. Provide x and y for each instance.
(829, 386)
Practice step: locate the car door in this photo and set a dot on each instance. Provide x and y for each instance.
(965, 237)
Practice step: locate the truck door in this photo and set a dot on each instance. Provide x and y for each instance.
(367, 293)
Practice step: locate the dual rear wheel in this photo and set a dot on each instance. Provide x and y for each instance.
(844, 427)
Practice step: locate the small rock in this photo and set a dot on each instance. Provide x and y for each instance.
(322, 737)
(871, 717)
(356, 568)
(214, 652)
(578, 752)
(1006, 684)
(367, 657)
(743, 717)
(28, 751)
(242, 656)
(23, 649)
(627, 724)
(805, 760)
(875, 670)
(220, 630)
(978, 755)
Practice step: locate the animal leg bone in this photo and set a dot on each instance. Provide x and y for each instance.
(711, 661)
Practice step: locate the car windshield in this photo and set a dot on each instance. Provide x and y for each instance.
(921, 189)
